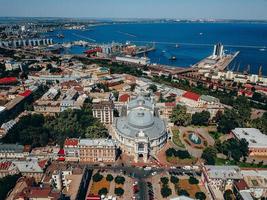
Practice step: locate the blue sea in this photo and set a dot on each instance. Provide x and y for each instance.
(194, 40)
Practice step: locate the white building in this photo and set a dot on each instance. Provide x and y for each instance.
(12, 151)
(134, 60)
(30, 168)
(59, 178)
(257, 141)
(103, 110)
(217, 179)
(139, 130)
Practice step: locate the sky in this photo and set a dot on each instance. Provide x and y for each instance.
(178, 9)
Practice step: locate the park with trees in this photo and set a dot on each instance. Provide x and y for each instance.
(38, 130)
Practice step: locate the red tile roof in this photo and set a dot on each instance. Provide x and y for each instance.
(93, 197)
(249, 86)
(170, 104)
(124, 98)
(8, 80)
(61, 159)
(71, 142)
(5, 165)
(42, 163)
(241, 185)
(245, 92)
(26, 93)
(61, 152)
(43, 193)
(191, 95)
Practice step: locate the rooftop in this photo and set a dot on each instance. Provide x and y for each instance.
(71, 142)
(254, 137)
(140, 101)
(255, 178)
(11, 148)
(8, 80)
(246, 195)
(223, 172)
(124, 98)
(37, 192)
(191, 95)
(5, 165)
(97, 142)
(26, 93)
(208, 98)
(28, 166)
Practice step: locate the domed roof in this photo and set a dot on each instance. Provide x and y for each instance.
(140, 101)
(140, 118)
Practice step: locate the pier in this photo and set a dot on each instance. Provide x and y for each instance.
(145, 50)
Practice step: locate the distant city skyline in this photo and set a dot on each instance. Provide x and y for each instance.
(177, 9)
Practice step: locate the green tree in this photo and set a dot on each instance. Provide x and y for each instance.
(183, 192)
(165, 191)
(103, 191)
(229, 121)
(261, 123)
(209, 155)
(29, 130)
(243, 108)
(119, 180)
(97, 177)
(7, 183)
(193, 181)
(234, 148)
(174, 179)
(109, 178)
(200, 196)
(153, 88)
(201, 118)
(179, 116)
(182, 154)
(170, 152)
(119, 191)
(164, 180)
(96, 131)
(228, 195)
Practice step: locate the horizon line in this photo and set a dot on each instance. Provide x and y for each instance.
(136, 18)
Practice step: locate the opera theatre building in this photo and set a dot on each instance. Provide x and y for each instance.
(139, 130)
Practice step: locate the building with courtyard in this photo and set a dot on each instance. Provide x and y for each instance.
(139, 130)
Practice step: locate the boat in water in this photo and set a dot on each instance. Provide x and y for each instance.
(172, 58)
(262, 49)
(60, 35)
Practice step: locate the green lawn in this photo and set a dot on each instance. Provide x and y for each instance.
(220, 161)
(176, 139)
